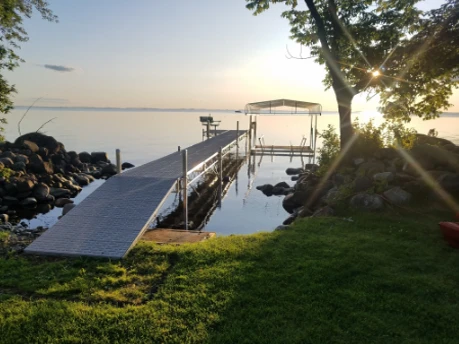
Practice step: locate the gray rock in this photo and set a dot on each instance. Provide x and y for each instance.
(126, 165)
(25, 185)
(29, 202)
(22, 158)
(99, 157)
(324, 212)
(9, 200)
(7, 162)
(282, 185)
(289, 220)
(267, 189)
(362, 183)
(293, 171)
(60, 193)
(370, 168)
(278, 191)
(41, 140)
(4, 218)
(294, 178)
(331, 195)
(397, 196)
(367, 202)
(85, 157)
(294, 200)
(37, 165)
(30, 145)
(358, 161)
(109, 170)
(384, 177)
(19, 166)
(81, 179)
(450, 182)
(41, 192)
(61, 202)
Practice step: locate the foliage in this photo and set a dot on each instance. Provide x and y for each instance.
(329, 150)
(6, 173)
(391, 38)
(376, 278)
(12, 33)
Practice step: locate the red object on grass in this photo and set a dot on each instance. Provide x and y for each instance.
(450, 232)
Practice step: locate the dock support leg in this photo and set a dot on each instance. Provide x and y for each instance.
(118, 161)
(220, 176)
(185, 187)
(237, 133)
(250, 133)
(208, 129)
(255, 131)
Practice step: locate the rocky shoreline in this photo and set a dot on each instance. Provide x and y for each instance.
(37, 174)
(386, 178)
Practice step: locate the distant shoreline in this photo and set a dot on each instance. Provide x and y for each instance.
(71, 108)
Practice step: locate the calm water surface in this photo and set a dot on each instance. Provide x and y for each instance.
(145, 136)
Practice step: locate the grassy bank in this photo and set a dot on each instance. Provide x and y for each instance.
(377, 279)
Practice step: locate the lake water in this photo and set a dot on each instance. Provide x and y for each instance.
(144, 136)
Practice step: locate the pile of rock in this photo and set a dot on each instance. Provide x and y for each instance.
(19, 236)
(389, 176)
(36, 172)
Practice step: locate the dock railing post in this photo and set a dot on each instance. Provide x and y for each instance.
(220, 176)
(185, 187)
(118, 161)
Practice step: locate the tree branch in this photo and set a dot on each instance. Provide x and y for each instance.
(290, 56)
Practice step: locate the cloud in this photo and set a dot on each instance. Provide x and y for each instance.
(58, 68)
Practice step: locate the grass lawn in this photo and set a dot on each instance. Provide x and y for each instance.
(378, 279)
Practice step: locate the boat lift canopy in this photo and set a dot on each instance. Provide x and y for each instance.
(268, 107)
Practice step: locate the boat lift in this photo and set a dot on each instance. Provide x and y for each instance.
(270, 107)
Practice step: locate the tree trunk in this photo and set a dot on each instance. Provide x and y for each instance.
(345, 123)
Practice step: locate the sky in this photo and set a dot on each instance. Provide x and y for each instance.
(167, 54)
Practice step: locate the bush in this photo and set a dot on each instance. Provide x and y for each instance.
(369, 139)
(6, 173)
(329, 150)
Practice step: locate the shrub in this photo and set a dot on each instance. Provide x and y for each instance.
(329, 150)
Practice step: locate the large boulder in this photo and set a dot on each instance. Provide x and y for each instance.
(28, 202)
(60, 193)
(99, 156)
(41, 140)
(37, 165)
(294, 171)
(370, 168)
(41, 192)
(267, 189)
(385, 177)
(367, 202)
(397, 196)
(362, 183)
(450, 183)
(85, 157)
(432, 158)
(294, 200)
(125, 165)
(108, 170)
(25, 185)
(6, 162)
(431, 140)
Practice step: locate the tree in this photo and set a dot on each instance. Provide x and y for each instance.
(373, 46)
(12, 33)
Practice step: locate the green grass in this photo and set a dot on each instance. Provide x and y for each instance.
(378, 279)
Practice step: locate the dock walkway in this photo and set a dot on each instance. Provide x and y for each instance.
(114, 217)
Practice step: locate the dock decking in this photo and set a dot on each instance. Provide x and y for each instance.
(114, 217)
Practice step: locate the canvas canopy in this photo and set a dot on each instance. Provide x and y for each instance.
(270, 107)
